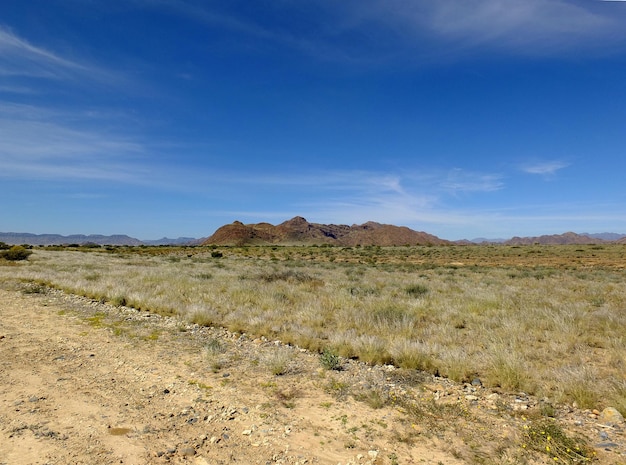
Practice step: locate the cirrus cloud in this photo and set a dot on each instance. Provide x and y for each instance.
(544, 168)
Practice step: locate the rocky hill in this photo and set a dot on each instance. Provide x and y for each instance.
(299, 231)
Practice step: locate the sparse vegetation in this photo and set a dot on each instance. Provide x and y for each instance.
(546, 437)
(522, 318)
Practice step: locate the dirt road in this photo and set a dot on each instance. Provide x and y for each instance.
(86, 383)
(83, 382)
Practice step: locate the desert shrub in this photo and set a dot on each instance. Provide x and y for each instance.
(4, 246)
(217, 254)
(330, 360)
(15, 253)
(547, 437)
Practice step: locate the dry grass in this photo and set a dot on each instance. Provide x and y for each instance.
(522, 318)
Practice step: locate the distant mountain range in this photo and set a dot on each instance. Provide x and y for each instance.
(81, 239)
(298, 231)
(558, 239)
(555, 239)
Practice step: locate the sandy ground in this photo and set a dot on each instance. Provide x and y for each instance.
(87, 383)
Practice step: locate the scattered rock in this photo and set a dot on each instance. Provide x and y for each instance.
(187, 452)
(607, 445)
(611, 416)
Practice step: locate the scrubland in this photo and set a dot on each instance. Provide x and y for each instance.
(546, 320)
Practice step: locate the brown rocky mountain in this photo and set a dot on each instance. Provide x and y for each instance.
(556, 239)
(299, 231)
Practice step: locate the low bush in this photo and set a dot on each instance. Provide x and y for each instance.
(16, 253)
(330, 360)
(547, 437)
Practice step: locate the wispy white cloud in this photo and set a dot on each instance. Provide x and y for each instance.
(514, 23)
(38, 142)
(544, 168)
(19, 57)
(418, 199)
(531, 27)
(458, 181)
(44, 144)
(23, 62)
(9, 89)
(374, 31)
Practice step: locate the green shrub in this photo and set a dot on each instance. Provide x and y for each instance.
(4, 246)
(330, 360)
(15, 253)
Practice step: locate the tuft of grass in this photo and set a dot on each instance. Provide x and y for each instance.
(374, 398)
(416, 290)
(214, 347)
(509, 372)
(412, 355)
(119, 301)
(278, 361)
(204, 317)
(338, 389)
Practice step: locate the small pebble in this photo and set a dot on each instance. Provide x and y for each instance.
(187, 451)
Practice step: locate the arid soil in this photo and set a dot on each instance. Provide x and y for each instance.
(88, 383)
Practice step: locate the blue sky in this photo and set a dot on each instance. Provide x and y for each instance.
(464, 119)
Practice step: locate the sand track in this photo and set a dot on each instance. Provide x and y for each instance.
(88, 383)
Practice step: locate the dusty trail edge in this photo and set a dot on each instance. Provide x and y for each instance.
(83, 382)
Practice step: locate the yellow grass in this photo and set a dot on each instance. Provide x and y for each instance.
(549, 321)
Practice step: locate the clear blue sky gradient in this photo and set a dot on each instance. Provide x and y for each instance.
(464, 119)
